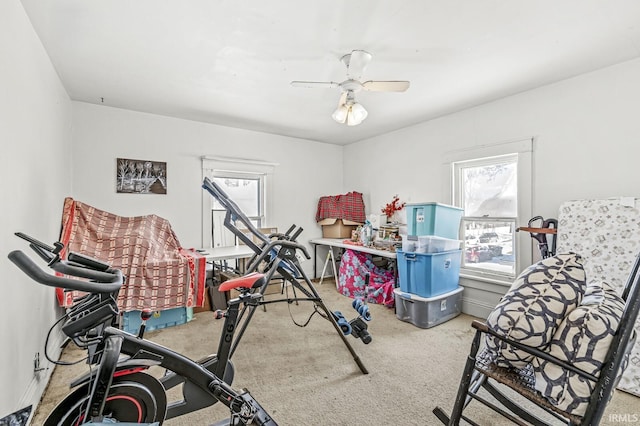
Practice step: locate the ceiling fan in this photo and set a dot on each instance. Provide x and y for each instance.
(349, 110)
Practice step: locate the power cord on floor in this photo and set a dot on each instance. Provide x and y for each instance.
(315, 311)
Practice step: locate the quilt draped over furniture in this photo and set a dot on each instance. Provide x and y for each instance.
(606, 233)
(160, 274)
(351, 279)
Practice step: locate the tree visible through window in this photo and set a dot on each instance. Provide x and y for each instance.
(487, 190)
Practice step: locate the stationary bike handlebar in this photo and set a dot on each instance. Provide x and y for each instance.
(101, 281)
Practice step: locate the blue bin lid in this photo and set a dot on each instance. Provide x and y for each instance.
(417, 298)
(433, 203)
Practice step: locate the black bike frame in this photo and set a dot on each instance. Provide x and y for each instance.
(201, 380)
(89, 325)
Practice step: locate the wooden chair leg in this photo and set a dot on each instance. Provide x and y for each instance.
(465, 382)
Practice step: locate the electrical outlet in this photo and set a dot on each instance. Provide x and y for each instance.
(36, 363)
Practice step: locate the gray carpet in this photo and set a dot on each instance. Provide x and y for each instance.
(306, 376)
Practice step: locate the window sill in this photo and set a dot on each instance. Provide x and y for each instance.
(487, 278)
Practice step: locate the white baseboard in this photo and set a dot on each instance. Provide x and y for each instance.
(476, 308)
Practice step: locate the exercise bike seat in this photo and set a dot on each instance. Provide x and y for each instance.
(252, 280)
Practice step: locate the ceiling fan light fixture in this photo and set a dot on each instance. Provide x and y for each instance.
(341, 113)
(358, 112)
(352, 121)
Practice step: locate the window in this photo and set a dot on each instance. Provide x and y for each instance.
(246, 183)
(487, 191)
(494, 191)
(247, 191)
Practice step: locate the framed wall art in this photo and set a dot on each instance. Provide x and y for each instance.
(141, 176)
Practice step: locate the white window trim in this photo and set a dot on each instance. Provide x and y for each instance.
(524, 149)
(215, 165)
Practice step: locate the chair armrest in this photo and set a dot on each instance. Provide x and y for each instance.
(483, 328)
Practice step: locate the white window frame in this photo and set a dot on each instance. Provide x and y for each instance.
(214, 167)
(522, 150)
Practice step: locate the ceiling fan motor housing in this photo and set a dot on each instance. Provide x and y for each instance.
(351, 86)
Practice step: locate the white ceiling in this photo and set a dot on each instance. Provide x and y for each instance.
(230, 62)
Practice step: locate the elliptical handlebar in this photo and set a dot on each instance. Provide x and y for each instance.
(107, 281)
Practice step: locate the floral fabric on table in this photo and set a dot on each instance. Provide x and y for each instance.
(351, 279)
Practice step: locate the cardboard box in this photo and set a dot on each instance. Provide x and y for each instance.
(264, 231)
(337, 228)
(274, 287)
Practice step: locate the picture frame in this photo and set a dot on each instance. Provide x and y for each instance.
(141, 176)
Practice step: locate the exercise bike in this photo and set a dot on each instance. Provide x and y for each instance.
(119, 389)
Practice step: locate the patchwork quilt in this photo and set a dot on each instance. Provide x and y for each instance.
(160, 274)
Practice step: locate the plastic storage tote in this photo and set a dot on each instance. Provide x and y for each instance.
(429, 274)
(433, 244)
(433, 219)
(427, 312)
(160, 319)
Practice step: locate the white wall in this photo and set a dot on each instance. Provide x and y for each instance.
(587, 145)
(306, 170)
(35, 129)
(586, 131)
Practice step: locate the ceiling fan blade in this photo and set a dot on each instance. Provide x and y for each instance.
(385, 86)
(358, 61)
(315, 84)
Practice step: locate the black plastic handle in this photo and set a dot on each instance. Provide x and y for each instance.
(87, 261)
(290, 230)
(106, 281)
(296, 234)
(38, 243)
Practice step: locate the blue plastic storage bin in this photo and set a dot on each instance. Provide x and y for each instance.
(429, 274)
(160, 319)
(433, 219)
